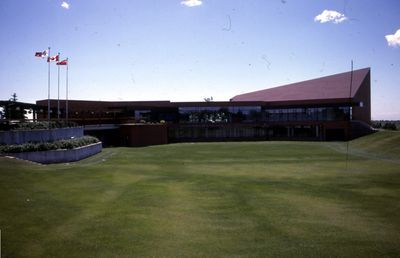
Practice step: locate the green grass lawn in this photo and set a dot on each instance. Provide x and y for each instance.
(249, 199)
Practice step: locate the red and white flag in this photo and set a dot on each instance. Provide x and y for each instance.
(41, 54)
(53, 58)
(63, 62)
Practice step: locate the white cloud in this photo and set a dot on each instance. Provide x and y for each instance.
(192, 3)
(65, 5)
(330, 16)
(393, 39)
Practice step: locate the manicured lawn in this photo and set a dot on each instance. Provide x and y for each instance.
(258, 199)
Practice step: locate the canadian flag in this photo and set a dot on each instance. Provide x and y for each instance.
(41, 54)
(63, 62)
(53, 58)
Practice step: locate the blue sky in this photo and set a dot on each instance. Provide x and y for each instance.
(166, 50)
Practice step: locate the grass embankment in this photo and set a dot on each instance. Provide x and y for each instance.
(384, 143)
(261, 199)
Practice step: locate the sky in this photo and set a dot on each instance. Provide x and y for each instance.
(188, 50)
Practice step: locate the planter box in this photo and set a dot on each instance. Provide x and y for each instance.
(41, 135)
(59, 156)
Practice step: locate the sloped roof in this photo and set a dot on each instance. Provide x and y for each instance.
(335, 86)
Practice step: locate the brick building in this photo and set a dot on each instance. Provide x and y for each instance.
(335, 107)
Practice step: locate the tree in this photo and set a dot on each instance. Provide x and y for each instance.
(390, 126)
(14, 110)
(14, 97)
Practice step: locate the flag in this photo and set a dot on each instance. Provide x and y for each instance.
(63, 62)
(53, 58)
(41, 54)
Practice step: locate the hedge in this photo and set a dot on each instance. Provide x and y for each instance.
(45, 146)
(37, 125)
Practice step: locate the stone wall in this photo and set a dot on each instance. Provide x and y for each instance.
(59, 156)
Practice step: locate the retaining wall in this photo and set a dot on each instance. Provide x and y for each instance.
(59, 156)
(42, 135)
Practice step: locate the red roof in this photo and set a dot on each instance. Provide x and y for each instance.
(330, 87)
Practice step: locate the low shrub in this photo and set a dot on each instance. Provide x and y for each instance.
(44, 125)
(45, 146)
(390, 126)
(376, 125)
(386, 124)
(37, 125)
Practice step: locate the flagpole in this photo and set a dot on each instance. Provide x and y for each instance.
(66, 95)
(58, 93)
(48, 89)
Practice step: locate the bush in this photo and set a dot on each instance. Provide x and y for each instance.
(29, 147)
(377, 125)
(37, 125)
(44, 125)
(45, 146)
(390, 126)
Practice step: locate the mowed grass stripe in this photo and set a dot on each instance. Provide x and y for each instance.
(258, 199)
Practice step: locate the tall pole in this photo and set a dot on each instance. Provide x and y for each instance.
(58, 93)
(350, 117)
(48, 88)
(66, 95)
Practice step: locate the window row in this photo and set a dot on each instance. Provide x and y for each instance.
(257, 114)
